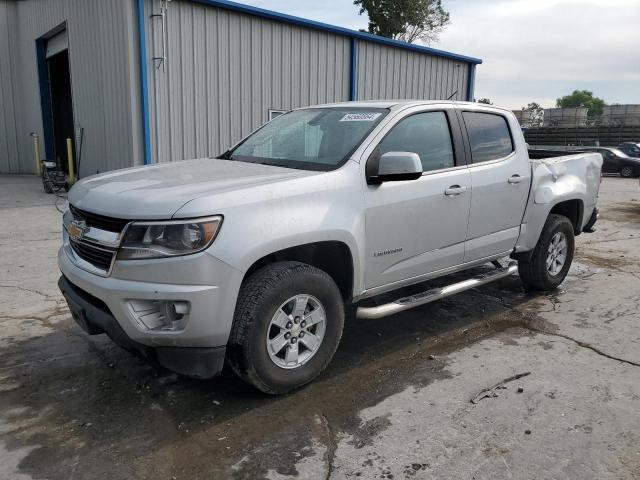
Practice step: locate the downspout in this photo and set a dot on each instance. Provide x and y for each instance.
(471, 82)
(144, 93)
(353, 73)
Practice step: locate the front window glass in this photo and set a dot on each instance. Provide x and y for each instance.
(426, 134)
(310, 139)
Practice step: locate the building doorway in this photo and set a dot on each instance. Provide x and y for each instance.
(61, 106)
(55, 95)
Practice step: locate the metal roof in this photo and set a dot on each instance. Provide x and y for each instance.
(303, 22)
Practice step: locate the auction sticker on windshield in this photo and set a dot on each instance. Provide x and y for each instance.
(360, 117)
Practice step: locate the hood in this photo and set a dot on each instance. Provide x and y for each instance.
(158, 191)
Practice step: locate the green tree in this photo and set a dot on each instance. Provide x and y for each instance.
(582, 98)
(486, 101)
(407, 20)
(537, 113)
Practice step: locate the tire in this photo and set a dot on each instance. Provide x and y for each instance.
(267, 295)
(536, 274)
(626, 171)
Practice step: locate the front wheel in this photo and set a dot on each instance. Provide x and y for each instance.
(287, 326)
(626, 171)
(552, 256)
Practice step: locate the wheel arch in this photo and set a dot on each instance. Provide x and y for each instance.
(332, 256)
(572, 209)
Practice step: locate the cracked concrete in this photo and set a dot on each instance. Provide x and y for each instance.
(330, 444)
(394, 403)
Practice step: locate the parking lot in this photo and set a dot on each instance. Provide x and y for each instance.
(394, 403)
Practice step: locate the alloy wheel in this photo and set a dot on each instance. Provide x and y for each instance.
(557, 253)
(296, 331)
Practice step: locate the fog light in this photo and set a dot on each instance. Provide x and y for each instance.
(160, 315)
(174, 311)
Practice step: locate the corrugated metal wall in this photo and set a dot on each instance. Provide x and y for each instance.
(393, 73)
(104, 74)
(225, 70)
(9, 150)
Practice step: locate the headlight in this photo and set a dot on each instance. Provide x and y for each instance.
(168, 239)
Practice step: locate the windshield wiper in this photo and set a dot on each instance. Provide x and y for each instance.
(274, 164)
(225, 156)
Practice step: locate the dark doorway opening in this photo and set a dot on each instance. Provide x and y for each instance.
(61, 107)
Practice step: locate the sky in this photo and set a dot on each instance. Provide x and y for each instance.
(532, 50)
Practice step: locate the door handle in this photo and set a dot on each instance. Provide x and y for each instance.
(454, 190)
(515, 178)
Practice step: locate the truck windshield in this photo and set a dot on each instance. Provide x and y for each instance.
(310, 139)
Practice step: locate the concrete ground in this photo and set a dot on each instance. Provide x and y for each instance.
(394, 403)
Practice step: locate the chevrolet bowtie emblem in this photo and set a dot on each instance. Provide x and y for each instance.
(76, 229)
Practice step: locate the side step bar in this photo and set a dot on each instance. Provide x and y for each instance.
(435, 294)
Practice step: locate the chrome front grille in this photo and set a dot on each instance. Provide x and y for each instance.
(97, 256)
(100, 222)
(92, 240)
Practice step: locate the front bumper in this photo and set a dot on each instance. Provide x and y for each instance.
(94, 317)
(208, 285)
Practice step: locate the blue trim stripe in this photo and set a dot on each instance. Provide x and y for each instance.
(303, 22)
(45, 97)
(142, 41)
(471, 83)
(353, 73)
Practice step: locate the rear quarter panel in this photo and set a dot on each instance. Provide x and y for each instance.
(556, 180)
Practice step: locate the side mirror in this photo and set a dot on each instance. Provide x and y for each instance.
(397, 166)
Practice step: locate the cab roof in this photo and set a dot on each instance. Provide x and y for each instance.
(400, 104)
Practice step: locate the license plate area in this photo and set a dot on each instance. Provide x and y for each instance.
(78, 313)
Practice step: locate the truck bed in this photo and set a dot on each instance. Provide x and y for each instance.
(539, 154)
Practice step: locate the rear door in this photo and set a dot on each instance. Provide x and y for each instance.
(418, 226)
(500, 180)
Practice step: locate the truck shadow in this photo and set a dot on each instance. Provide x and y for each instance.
(121, 414)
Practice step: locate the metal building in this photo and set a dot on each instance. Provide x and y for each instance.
(621, 115)
(145, 81)
(524, 117)
(565, 117)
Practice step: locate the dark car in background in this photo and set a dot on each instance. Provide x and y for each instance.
(630, 148)
(616, 161)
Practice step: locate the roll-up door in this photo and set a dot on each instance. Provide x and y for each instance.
(57, 43)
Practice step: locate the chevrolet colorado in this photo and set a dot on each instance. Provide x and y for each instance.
(251, 257)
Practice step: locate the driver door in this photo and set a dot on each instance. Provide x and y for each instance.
(609, 164)
(416, 227)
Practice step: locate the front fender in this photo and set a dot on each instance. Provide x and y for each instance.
(268, 219)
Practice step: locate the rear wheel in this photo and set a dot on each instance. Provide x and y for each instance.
(552, 256)
(287, 326)
(626, 171)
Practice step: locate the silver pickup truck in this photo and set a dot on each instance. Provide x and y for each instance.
(252, 257)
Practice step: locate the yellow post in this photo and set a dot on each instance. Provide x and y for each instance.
(72, 176)
(36, 152)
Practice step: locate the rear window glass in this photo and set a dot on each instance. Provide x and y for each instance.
(488, 135)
